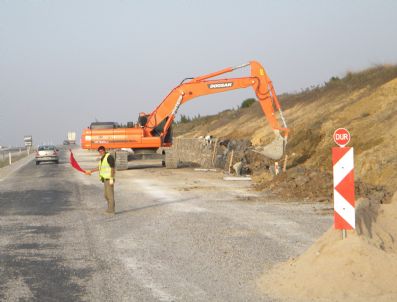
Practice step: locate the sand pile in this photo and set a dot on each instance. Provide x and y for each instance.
(362, 267)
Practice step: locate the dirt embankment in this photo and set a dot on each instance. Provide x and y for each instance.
(365, 103)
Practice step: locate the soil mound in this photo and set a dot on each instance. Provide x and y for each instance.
(312, 185)
(361, 267)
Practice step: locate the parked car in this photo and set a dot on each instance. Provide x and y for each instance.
(47, 153)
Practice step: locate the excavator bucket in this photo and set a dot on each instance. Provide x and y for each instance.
(275, 149)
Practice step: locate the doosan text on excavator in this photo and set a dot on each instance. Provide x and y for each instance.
(154, 130)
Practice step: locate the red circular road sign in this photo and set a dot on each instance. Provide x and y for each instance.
(341, 137)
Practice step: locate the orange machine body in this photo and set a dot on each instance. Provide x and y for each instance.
(118, 138)
(155, 131)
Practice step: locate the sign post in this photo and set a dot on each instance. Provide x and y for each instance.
(343, 175)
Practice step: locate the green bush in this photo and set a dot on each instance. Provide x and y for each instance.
(248, 103)
(184, 119)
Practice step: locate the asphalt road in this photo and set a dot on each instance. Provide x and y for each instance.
(178, 235)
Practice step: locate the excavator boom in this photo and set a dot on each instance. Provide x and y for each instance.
(204, 85)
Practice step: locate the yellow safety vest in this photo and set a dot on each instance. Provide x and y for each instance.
(104, 168)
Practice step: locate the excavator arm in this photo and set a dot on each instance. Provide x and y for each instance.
(160, 120)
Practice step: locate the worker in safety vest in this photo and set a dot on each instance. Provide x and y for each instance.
(107, 171)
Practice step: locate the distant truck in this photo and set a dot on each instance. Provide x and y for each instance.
(28, 140)
(71, 137)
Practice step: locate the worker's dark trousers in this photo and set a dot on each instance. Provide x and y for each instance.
(109, 196)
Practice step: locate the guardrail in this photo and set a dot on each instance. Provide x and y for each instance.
(8, 156)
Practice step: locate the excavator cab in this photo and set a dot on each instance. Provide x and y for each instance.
(142, 119)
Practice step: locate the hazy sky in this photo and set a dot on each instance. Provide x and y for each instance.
(64, 64)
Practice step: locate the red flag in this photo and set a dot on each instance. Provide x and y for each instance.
(74, 163)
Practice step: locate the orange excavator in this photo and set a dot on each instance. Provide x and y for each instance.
(153, 131)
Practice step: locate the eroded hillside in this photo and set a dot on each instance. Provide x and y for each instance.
(365, 103)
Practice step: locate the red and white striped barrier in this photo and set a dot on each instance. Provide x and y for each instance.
(343, 168)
